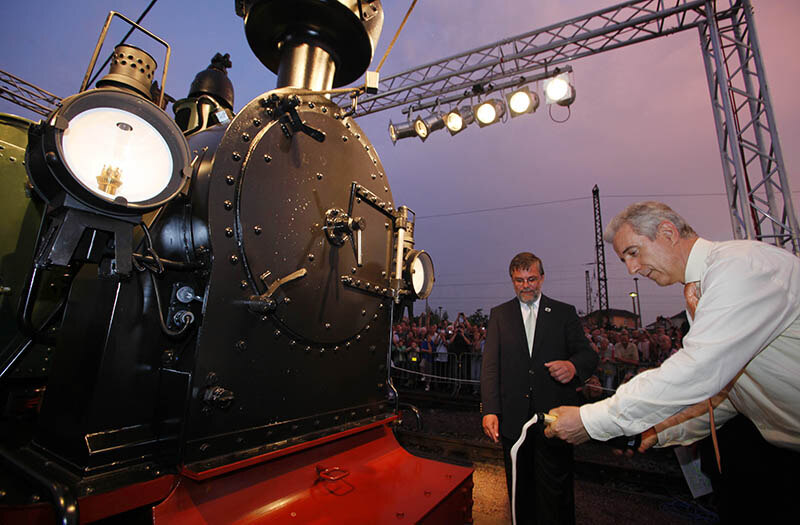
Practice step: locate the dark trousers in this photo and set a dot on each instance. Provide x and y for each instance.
(545, 487)
(758, 483)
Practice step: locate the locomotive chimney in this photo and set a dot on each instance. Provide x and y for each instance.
(313, 44)
(305, 65)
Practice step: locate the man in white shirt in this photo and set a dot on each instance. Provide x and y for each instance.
(746, 320)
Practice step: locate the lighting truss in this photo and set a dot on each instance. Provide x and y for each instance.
(746, 131)
(743, 114)
(27, 95)
(542, 49)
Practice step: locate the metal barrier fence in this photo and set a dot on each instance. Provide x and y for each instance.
(439, 371)
(461, 373)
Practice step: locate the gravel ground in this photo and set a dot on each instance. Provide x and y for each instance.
(596, 503)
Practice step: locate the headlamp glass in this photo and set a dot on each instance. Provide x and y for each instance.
(115, 153)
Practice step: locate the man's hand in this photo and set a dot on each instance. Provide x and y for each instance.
(649, 438)
(562, 371)
(491, 427)
(568, 426)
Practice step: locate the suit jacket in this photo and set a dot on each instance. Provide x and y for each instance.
(509, 376)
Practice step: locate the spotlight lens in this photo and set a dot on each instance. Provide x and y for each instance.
(115, 153)
(454, 122)
(420, 128)
(486, 113)
(392, 133)
(557, 89)
(519, 102)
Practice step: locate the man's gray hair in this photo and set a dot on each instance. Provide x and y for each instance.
(644, 218)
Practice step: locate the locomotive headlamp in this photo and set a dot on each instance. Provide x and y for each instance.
(419, 273)
(115, 153)
(101, 161)
(111, 151)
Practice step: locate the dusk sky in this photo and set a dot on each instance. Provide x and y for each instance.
(641, 128)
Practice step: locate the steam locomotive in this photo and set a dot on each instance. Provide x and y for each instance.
(196, 312)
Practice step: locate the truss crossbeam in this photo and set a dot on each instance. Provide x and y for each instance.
(611, 28)
(27, 95)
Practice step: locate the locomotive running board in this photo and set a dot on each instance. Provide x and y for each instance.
(366, 477)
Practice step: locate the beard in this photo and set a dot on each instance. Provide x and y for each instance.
(530, 296)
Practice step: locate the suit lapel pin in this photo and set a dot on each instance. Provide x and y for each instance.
(546, 308)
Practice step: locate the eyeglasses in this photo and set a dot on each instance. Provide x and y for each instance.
(529, 280)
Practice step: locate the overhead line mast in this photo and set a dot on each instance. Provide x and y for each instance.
(600, 252)
(588, 294)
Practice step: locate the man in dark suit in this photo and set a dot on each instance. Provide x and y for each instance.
(535, 358)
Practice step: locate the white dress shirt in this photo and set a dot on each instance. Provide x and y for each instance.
(748, 315)
(526, 308)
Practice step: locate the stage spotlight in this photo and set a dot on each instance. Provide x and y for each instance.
(454, 122)
(425, 126)
(559, 90)
(400, 131)
(522, 101)
(489, 111)
(458, 119)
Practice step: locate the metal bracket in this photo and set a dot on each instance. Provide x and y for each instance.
(264, 303)
(289, 120)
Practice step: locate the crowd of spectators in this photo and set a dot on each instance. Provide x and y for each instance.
(625, 352)
(444, 351)
(428, 354)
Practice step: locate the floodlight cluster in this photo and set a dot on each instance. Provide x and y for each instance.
(519, 101)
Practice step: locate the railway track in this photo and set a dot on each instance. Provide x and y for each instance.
(449, 430)
(452, 399)
(656, 479)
